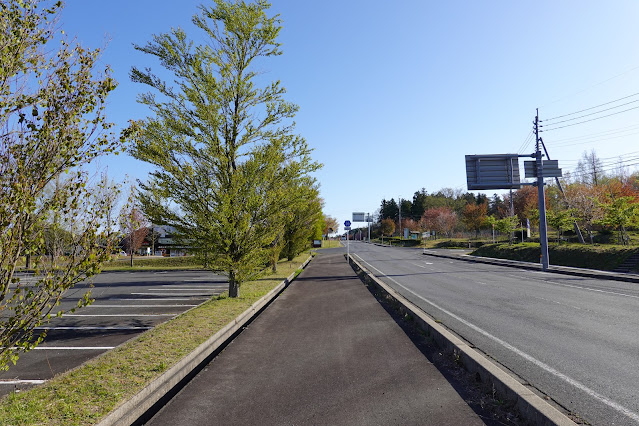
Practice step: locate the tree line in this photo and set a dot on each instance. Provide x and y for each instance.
(591, 200)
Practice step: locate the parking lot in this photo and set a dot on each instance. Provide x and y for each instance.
(126, 304)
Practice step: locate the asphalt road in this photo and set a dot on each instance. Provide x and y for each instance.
(325, 352)
(126, 304)
(575, 339)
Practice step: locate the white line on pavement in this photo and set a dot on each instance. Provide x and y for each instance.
(182, 289)
(194, 296)
(141, 306)
(115, 327)
(615, 406)
(119, 315)
(21, 382)
(74, 348)
(138, 299)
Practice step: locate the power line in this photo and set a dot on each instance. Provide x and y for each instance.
(593, 113)
(588, 109)
(602, 170)
(594, 85)
(526, 142)
(605, 132)
(592, 119)
(605, 159)
(594, 140)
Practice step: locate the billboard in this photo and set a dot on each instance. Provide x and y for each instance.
(493, 171)
(550, 169)
(359, 217)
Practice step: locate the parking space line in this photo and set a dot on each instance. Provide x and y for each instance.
(183, 289)
(91, 327)
(138, 299)
(118, 315)
(73, 348)
(141, 306)
(161, 294)
(21, 382)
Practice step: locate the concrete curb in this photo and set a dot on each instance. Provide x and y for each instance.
(566, 270)
(532, 407)
(140, 404)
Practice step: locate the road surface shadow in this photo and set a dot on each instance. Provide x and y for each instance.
(479, 396)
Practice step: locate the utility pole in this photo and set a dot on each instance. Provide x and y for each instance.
(543, 235)
(400, 216)
(512, 214)
(368, 222)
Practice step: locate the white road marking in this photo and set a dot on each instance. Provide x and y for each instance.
(139, 299)
(21, 382)
(141, 306)
(610, 403)
(164, 294)
(593, 289)
(559, 303)
(183, 289)
(115, 327)
(73, 348)
(118, 315)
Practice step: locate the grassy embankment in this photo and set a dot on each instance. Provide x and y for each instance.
(86, 394)
(602, 257)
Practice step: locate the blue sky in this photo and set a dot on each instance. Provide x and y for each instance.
(393, 95)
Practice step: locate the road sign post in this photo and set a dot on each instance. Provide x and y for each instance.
(347, 226)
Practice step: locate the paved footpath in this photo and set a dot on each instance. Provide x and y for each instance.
(325, 352)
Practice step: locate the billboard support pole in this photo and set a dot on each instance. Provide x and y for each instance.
(543, 232)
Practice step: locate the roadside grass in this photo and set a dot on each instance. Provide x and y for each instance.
(84, 395)
(602, 257)
(147, 263)
(330, 244)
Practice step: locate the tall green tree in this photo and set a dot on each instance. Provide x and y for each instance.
(223, 144)
(302, 221)
(619, 213)
(52, 122)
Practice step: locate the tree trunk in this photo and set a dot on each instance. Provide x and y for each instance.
(234, 287)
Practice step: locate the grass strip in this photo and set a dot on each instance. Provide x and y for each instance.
(330, 244)
(153, 263)
(601, 257)
(84, 395)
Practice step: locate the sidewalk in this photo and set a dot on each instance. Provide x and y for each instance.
(325, 352)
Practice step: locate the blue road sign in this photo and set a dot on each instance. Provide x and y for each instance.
(347, 223)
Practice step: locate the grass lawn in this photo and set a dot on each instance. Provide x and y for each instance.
(86, 394)
(330, 244)
(149, 263)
